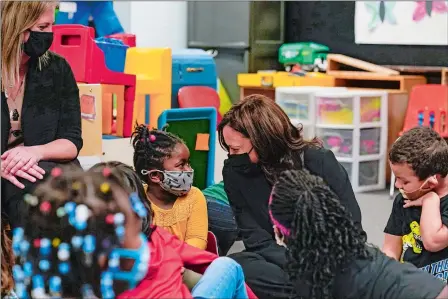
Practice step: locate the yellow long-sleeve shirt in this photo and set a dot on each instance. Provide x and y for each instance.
(187, 219)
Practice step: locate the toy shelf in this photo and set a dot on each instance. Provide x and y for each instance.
(353, 124)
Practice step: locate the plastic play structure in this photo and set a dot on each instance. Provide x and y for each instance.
(197, 126)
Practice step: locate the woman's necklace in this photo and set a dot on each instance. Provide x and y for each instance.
(14, 113)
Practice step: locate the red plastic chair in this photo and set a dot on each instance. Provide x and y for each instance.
(199, 96)
(429, 101)
(212, 243)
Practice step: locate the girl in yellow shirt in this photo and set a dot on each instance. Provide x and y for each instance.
(161, 159)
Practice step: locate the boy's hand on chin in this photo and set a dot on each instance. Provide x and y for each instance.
(419, 201)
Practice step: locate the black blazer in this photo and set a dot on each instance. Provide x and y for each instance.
(51, 108)
(248, 191)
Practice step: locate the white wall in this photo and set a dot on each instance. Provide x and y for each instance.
(155, 23)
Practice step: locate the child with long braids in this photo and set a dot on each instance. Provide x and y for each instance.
(162, 161)
(128, 179)
(83, 239)
(327, 254)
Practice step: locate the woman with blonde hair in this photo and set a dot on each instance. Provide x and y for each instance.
(262, 142)
(41, 117)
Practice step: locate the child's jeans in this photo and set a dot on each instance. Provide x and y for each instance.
(223, 279)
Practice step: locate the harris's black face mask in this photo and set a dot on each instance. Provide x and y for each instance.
(38, 43)
(240, 158)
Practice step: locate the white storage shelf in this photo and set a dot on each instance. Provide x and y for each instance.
(299, 104)
(353, 124)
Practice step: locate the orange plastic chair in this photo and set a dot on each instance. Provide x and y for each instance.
(427, 106)
(199, 96)
(212, 243)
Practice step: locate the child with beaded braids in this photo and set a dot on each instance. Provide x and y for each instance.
(83, 239)
(327, 254)
(162, 160)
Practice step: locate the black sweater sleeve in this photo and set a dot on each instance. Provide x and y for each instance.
(323, 163)
(70, 117)
(255, 238)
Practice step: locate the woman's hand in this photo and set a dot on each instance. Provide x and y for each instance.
(30, 175)
(23, 158)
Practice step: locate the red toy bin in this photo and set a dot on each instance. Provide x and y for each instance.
(77, 45)
(126, 38)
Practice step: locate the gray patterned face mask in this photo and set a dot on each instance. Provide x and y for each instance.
(175, 182)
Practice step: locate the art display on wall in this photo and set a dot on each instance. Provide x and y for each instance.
(401, 22)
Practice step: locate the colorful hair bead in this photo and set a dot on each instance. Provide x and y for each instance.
(36, 243)
(18, 273)
(107, 172)
(17, 237)
(63, 252)
(76, 185)
(119, 231)
(45, 207)
(70, 207)
(56, 242)
(137, 205)
(28, 269)
(77, 242)
(24, 247)
(109, 219)
(64, 268)
(55, 172)
(31, 200)
(105, 187)
(38, 288)
(106, 285)
(88, 247)
(114, 262)
(79, 221)
(44, 265)
(60, 212)
(106, 243)
(119, 219)
(55, 286)
(152, 138)
(45, 246)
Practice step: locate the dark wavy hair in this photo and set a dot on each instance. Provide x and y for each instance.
(322, 238)
(277, 142)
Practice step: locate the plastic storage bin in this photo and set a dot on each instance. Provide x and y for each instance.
(340, 141)
(114, 52)
(353, 124)
(298, 102)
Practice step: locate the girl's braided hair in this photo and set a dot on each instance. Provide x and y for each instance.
(124, 176)
(49, 221)
(151, 148)
(321, 236)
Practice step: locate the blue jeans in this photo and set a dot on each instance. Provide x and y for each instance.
(222, 223)
(223, 279)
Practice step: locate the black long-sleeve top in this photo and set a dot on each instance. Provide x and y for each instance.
(51, 108)
(248, 191)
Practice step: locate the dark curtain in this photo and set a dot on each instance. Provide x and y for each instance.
(332, 23)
